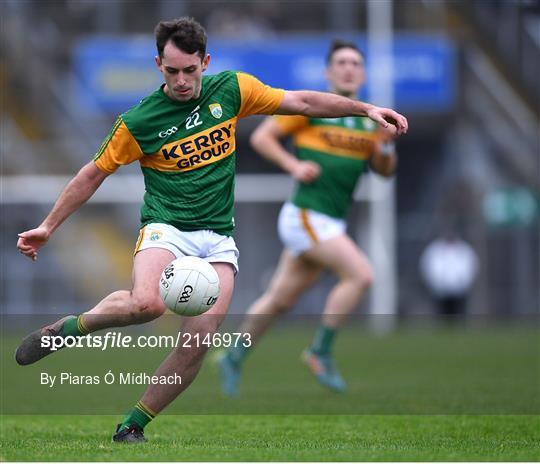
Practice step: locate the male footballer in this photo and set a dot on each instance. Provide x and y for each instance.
(183, 136)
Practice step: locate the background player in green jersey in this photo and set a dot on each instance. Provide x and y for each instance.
(173, 204)
(331, 155)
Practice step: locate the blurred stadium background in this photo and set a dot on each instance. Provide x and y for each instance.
(464, 73)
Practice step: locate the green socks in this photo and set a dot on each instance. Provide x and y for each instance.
(75, 327)
(323, 341)
(140, 415)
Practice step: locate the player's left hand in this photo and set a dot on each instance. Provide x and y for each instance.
(306, 171)
(389, 119)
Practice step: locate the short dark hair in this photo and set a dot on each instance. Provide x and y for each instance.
(338, 44)
(186, 33)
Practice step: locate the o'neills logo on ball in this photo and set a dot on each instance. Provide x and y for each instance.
(198, 150)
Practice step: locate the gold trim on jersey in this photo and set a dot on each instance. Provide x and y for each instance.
(338, 141)
(195, 151)
(119, 148)
(256, 97)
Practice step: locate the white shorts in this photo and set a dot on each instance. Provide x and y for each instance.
(205, 244)
(300, 229)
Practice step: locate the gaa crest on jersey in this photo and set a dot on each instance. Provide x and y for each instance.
(216, 110)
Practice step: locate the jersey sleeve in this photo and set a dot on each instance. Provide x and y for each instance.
(119, 148)
(291, 124)
(256, 97)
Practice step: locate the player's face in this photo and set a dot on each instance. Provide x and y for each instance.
(182, 72)
(345, 72)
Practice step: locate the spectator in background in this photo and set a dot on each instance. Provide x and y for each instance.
(449, 266)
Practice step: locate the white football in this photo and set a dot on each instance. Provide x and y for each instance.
(189, 286)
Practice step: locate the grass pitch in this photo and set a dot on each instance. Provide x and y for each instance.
(277, 438)
(423, 394)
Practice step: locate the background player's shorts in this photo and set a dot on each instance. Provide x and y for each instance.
(300, 229)
(205, 244)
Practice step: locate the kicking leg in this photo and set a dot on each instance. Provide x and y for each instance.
(121, 308)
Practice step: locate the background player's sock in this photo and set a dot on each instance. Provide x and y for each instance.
(323, 340)
(140, 415)
(237, 354)
(75, 327)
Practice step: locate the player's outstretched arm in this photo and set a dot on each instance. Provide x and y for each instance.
(79, 189)
(266, 141)
(328, 105)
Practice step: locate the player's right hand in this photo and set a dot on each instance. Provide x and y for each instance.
(32, 240)
(387, 117)
(306, 171)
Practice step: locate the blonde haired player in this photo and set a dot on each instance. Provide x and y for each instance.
(331, 155)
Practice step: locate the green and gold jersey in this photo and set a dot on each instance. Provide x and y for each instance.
(342, 147)
(187, 150)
